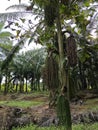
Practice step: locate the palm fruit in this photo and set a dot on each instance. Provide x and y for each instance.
(71, 51)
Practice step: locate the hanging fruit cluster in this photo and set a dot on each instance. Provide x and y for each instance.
(50, 73)
(71, 51)
(50, 12)
(65, 2)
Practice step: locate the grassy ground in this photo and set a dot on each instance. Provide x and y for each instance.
(92, 104)
(23, 100)
(22, 104)
(74, 127)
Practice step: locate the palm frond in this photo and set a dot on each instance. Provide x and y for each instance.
(38, 26)
(6, 47)
(22, 7)
(94, 19)
(3, 50)
(14, 15)
(2, 55)
(17, 7)
(11, 55)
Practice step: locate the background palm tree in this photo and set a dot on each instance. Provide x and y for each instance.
(26, 67)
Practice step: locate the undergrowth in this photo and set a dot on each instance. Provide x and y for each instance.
(74, 127)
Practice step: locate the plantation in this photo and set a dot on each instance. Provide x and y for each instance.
(54, 85)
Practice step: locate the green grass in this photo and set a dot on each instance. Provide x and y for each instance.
(86, 127)
(75, 127)
(94, 108)
(20, 103)
(92, 104)
(44, 93)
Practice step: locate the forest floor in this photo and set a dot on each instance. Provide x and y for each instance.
(22, 109)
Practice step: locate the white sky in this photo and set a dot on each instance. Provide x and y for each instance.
(4, 5)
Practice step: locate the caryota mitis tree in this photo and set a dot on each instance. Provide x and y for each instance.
(52, 14)
(68, 21)
(56, 15)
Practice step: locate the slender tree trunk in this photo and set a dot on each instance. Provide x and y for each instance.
(5, 87)
(0, 82)
(43, 86)
(21, 85)
(0, 86)
(32, 84)
(26, 86)
(38, 84)
(82, 77)
(16, 87)
(62, 75)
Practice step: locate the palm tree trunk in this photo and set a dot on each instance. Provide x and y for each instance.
(26, 86)
(32, 84)
(5, 87)
(21, 85)
(16, 87)
(0, 81)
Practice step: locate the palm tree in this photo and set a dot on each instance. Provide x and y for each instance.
(27, 66)
(56, 21)
(5, 47)
(36, 58)
(51, 17)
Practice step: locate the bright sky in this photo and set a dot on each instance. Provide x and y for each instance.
(7, 3)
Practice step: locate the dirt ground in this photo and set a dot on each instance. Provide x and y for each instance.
(78, 104)
(11, 116)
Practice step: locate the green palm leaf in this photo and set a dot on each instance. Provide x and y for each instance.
(14, 15)
(11, 55)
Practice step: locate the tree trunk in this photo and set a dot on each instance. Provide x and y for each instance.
(16, 88)
(32, 84)
(5, 87)
(21, 85)
(26, 85)
(38, 84)
(0, 82)
(82, 77)
(62, 75)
